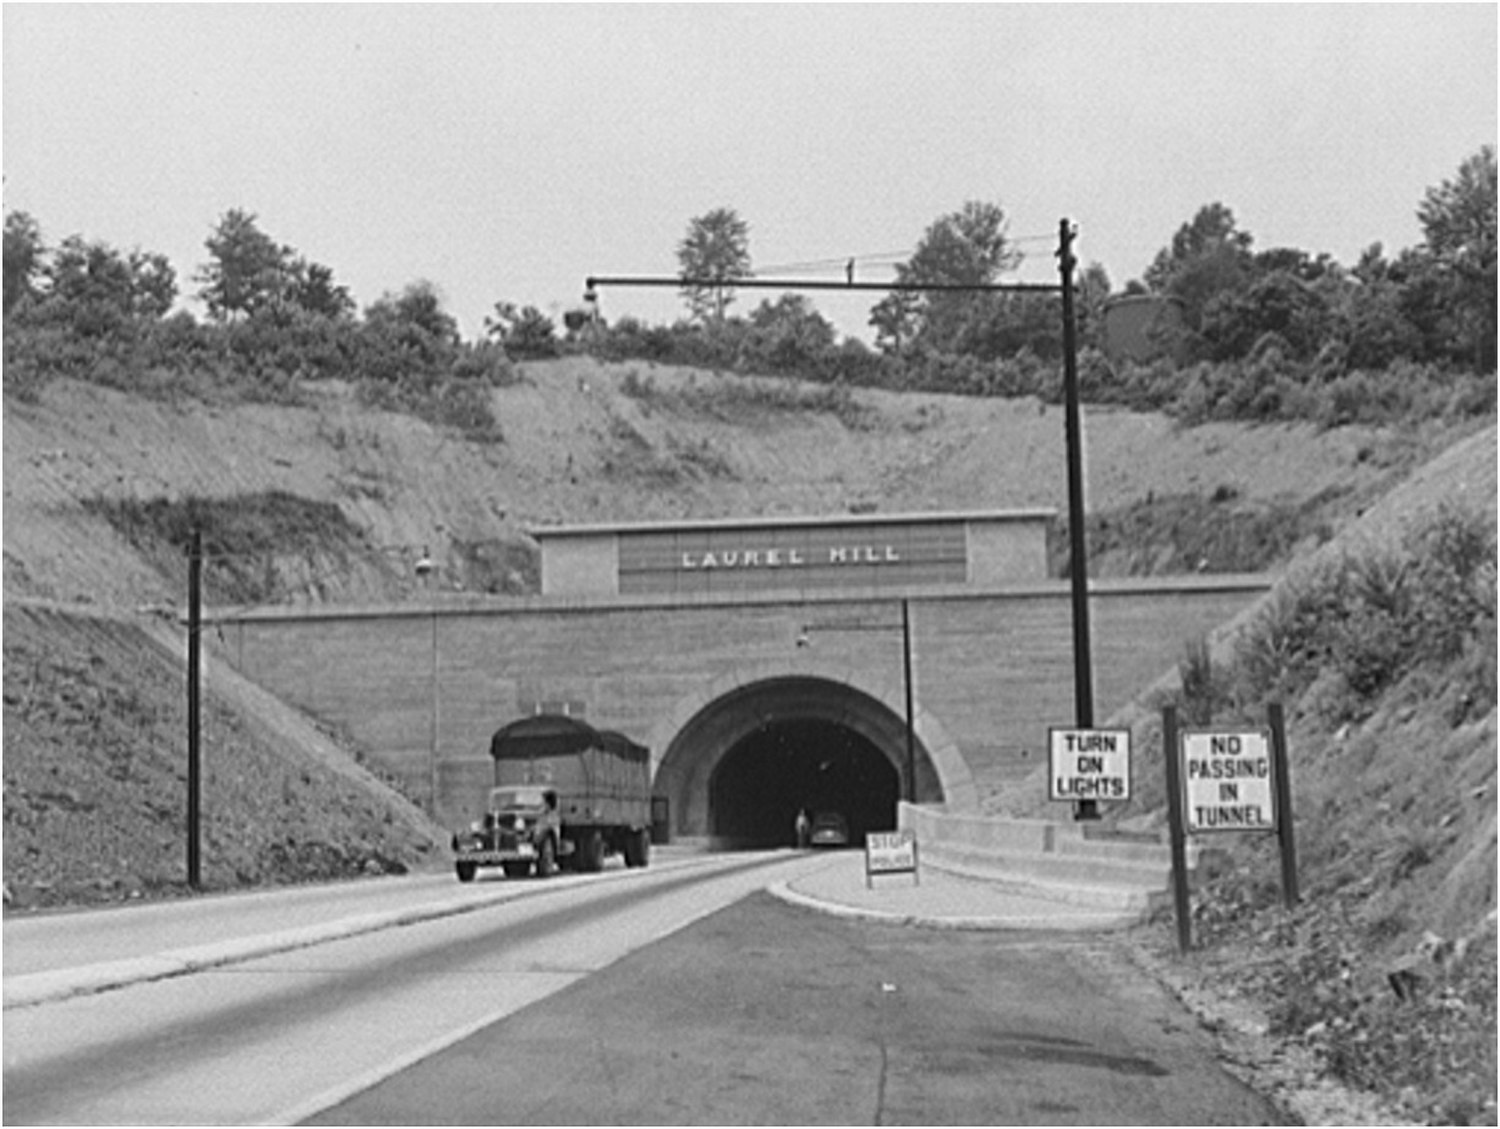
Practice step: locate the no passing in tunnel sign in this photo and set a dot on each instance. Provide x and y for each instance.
(1088, 764)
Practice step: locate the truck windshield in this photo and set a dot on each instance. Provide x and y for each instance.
(502, 798)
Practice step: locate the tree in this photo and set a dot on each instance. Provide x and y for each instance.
(1280, 303)
(894, 317)
(524, 332)
(789, 335)
(23, 257)
(1090, 296)
(420, 307)
(96, 288)
(312, 288)
(1208, 256)
(153, 283)
(967, 247)
(716, 248)
(247, 271)
(1458, 220)
(408, 332)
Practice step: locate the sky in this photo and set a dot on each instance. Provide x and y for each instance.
(507, 152)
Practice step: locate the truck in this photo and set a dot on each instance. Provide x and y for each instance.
(565, 795)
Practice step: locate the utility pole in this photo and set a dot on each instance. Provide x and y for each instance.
(1078, 572)
(911, 740)
(195, 609)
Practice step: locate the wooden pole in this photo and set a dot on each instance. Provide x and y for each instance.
(1282, 781)
(1176, 829)
(194, 643)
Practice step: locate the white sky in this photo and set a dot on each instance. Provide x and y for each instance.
(506, 152)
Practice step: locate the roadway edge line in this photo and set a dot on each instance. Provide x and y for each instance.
(57, 985)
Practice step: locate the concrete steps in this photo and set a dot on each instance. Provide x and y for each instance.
(1077, 864)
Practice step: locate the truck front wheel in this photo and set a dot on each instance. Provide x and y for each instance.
(546, 860)
(465, 871)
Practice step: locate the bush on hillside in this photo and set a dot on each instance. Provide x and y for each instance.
(1359, 624)
(1270, 384)
(254, 545)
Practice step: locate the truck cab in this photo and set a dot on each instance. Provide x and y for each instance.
(519, 831)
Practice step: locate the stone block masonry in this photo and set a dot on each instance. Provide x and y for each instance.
(422, 689)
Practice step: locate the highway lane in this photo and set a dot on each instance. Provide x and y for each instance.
(61, 939)
(276, 1039)
(770, 1014)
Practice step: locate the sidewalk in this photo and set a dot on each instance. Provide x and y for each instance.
(939, 899)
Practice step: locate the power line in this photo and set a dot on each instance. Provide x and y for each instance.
(839, 263)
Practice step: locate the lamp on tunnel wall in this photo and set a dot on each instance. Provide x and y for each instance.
(804, 639)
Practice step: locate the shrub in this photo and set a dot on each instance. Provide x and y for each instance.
(1372, 617)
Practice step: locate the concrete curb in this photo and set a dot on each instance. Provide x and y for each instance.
(1065, 922)
(1119, 899)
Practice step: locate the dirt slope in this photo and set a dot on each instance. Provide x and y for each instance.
(578, 449)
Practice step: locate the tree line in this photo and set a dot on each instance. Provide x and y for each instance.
(1259, 334)
(1273, 334)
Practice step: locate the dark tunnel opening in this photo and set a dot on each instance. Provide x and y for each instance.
(767, 777)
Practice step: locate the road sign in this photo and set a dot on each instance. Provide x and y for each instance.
(1227, 781)
(1088, 764)
(890, 852)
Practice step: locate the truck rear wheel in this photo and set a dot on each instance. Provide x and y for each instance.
(638, 848)
(591, 852)
(465, 871)
(546, 860)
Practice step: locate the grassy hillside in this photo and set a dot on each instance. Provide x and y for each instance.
(95, 775)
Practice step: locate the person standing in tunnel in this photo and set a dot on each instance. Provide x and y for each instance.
(804, 828)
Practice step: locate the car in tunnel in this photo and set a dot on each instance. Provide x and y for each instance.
(829, 829)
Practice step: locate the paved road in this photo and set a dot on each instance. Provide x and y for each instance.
(768, 1013)
(680, 994)
(275, 1038)
(64, 939)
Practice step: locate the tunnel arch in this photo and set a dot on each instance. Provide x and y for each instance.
(709, 734)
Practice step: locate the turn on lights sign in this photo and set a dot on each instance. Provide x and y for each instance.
(1088, 764)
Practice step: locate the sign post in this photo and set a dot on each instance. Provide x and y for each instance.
(1282, 774)
(1176, 834)
(891, 852)
(1226, 781)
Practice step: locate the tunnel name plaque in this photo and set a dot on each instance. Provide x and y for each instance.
(797, 557)
(891, 852)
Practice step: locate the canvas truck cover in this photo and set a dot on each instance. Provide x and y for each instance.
(600, 776)
(549, 735)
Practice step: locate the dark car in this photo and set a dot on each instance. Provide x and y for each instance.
(829, 830)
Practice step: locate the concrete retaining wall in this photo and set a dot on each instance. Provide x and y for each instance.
(1078, 863)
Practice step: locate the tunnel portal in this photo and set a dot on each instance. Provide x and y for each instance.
(739, 769)
(782, 767)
